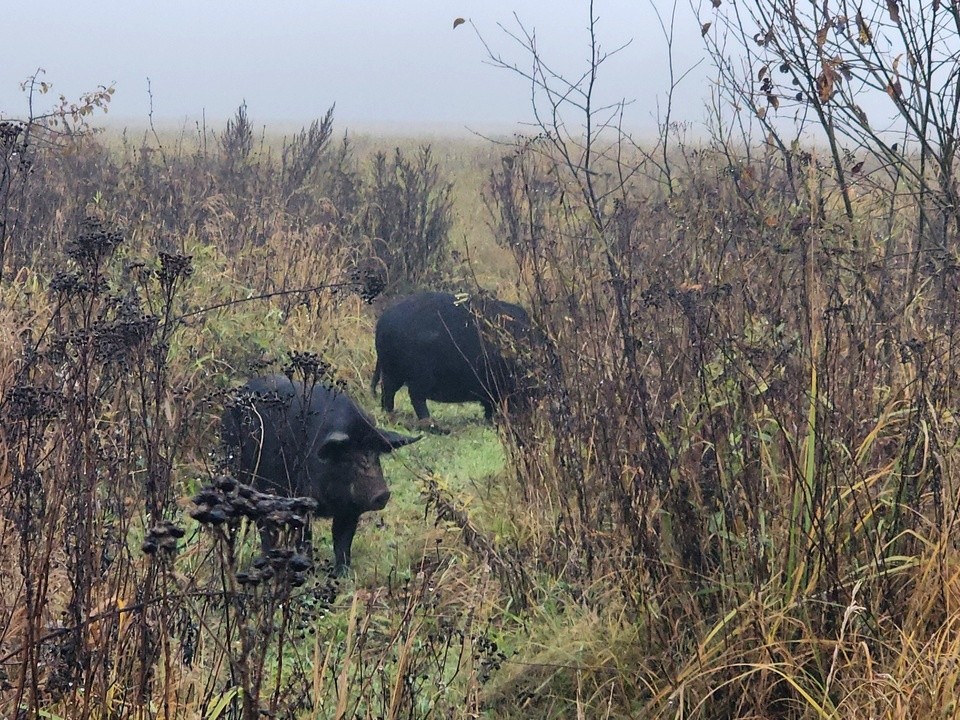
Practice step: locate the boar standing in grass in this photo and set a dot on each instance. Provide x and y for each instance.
(450, 349)
(292, 439)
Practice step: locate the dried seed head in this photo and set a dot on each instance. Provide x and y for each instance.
(93, 244)
(370, 281)
(28, 402)
(173, 268)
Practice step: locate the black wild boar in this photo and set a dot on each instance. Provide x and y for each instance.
(450, 350)
(295, 440)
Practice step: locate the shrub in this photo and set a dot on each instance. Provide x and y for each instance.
(407, 214)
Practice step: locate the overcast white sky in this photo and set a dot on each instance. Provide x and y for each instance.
(386, 63)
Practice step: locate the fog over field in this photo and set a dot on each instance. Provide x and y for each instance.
(393, 66)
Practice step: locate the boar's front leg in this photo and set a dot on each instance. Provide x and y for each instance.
(344, 527)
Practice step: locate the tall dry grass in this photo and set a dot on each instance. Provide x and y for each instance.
(744, 448)
(140, 282)
(731, 496)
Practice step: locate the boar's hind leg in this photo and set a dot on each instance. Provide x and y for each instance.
(389, 389)
(344, 527)
(487, 410)
(419, 402)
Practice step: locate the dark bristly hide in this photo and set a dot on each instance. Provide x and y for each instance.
(294, 439)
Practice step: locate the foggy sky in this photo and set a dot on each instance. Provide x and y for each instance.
(386, 64)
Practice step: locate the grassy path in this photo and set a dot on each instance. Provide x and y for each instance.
(468, 461)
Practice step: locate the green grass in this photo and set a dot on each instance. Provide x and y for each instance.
(468, 457)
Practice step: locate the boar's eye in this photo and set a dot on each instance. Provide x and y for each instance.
(334, 446)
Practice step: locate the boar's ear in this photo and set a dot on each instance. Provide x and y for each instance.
(388, 440)
(334, 445)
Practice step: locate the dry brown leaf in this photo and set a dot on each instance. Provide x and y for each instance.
(864, 37)
(773, 100)
(458, 22)
(761, 113)
(763, 71)
(704, 29)
(825, 82)
(762, 39)
(895, 90)
(857, 168)
(771, 221)
(715, 3)
(861, 115)
(894, 11)
(822, 35)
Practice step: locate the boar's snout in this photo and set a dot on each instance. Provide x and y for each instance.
(379, 501)
(369, 490)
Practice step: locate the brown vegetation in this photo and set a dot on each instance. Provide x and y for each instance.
(732, 496)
